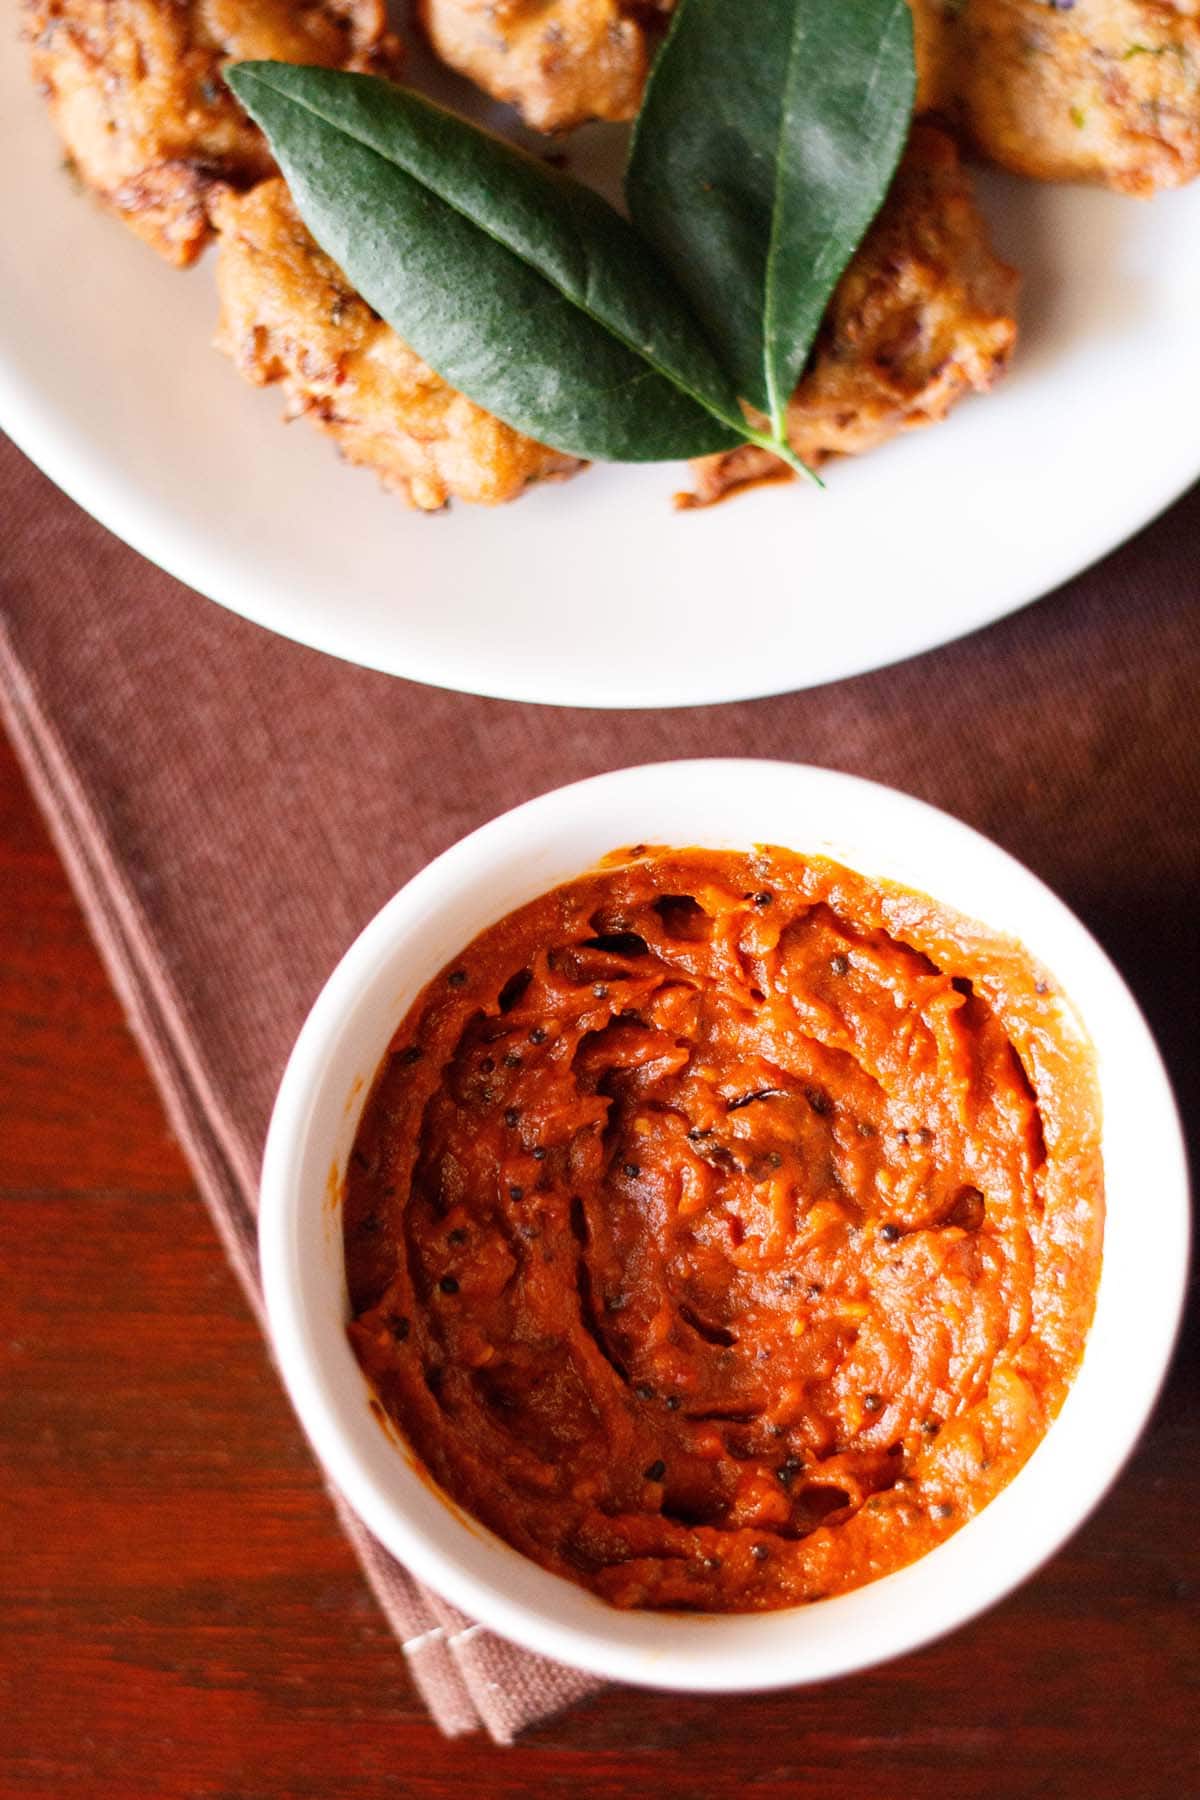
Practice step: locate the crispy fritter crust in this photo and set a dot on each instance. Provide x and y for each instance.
(923, 315)
(563, 62)
(1066, 90)
(559, 62)
(1083, 90)
(288, 315)
(136, 90)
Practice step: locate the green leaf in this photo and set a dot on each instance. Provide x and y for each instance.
(524, 290)
(767, 141)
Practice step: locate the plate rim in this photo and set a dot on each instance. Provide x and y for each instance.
(75, 470)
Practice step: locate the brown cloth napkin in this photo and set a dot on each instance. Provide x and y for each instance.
(233, 809)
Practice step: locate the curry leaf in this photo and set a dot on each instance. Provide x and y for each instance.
(523, 289)
(769, 135)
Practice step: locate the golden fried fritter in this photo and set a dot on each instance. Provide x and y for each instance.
(288, 315)
(136, 90)
(1071, 90)
(923, 315)
(563, 62)
(1066, 90)
(560, 62)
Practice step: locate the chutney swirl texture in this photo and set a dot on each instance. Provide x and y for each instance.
(723, 1230)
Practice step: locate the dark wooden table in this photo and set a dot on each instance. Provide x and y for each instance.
(179, 1614)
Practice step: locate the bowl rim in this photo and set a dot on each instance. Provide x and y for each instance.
(300, 1362)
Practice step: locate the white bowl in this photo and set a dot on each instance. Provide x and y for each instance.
(730, 804)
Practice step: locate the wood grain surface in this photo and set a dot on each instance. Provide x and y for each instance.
(180, 1616)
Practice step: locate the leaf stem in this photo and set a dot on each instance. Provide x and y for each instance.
(779, 446)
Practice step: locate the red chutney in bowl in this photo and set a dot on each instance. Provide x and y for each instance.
(724, 1230)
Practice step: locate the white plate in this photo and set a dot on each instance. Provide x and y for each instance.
(597, 593)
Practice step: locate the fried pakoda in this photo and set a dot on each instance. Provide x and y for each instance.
(559, 62)
(136, 90)
(1066, 90)
(1071, 90)
(563, 62)
(288, 315)
(923, 315)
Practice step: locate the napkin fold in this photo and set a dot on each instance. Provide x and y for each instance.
(466, 1675)
(233, 808)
